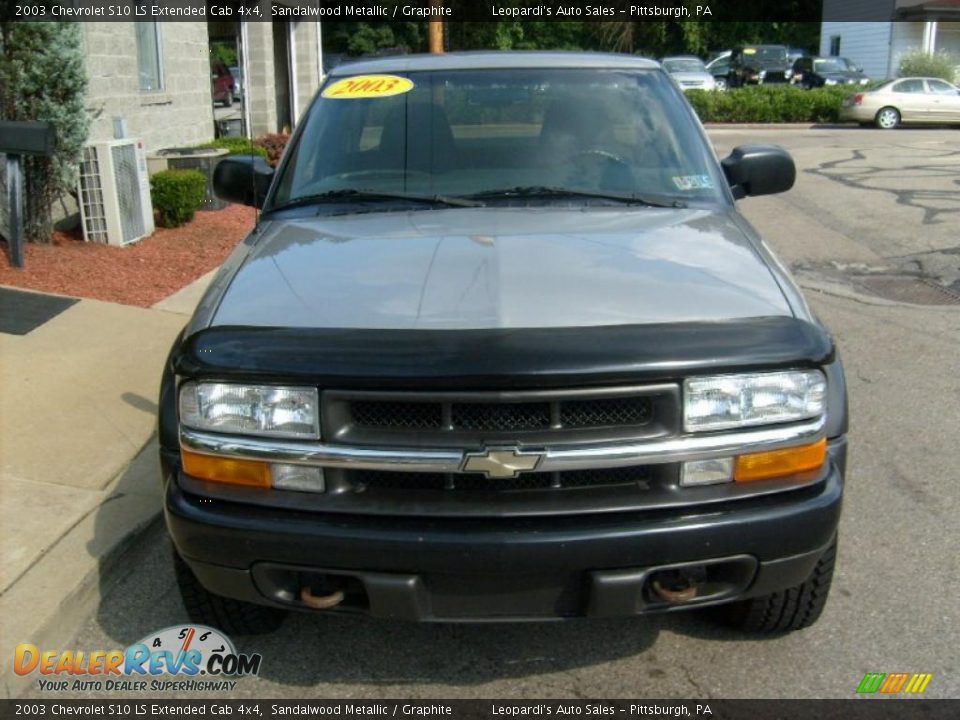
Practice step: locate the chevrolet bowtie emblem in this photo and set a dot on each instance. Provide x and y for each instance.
(504, 463)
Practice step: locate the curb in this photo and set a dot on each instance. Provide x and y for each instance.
(48, 603)
(779, 126)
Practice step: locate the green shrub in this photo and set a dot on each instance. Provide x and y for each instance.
(939, 65)
(237, 146)
(176, 195)
(769, 104)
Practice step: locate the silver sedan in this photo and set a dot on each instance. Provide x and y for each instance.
(907, 100)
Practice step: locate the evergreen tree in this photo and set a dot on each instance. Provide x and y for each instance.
(42, 77)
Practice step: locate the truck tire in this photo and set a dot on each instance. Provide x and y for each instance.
(791, 609)
(233, 617)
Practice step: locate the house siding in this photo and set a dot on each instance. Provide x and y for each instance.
(858, 10)
(179, 114)
(907, 37)
(865, 43)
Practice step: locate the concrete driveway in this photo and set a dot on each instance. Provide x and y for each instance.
(867, 205)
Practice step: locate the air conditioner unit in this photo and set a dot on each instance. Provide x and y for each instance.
(115, 205)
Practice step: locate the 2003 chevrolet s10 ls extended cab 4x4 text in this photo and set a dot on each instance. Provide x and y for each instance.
(502, 347)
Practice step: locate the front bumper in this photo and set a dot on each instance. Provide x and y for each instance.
(547, 567)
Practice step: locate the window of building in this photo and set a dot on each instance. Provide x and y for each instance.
(148, 55)
(835, 45)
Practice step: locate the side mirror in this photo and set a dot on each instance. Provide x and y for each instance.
(242, 179)
(759, 170)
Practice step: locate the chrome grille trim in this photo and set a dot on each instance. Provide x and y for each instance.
(557, 458)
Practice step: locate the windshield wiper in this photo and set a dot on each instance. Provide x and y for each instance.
(529, 191)
(349, 194)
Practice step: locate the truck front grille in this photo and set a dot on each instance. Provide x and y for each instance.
(376, 480)
(472, 420)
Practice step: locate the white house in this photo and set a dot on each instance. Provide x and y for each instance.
(876, 33)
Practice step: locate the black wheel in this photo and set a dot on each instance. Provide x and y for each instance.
(887, 118)
(791, 609)
(721, 83)
(233, 617)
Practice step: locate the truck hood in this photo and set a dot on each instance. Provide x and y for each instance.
(769, 64)
(496, 267)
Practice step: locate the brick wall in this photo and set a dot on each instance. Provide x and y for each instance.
(179, 114)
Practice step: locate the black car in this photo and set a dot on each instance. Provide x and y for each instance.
(813, 72)
(758, 65)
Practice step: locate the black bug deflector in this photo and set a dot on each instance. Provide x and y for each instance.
(500, 358)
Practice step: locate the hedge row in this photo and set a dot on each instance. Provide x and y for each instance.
(769, 104)
(237, 146)
(268, 146)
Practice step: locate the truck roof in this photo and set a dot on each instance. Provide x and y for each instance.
(493, 60)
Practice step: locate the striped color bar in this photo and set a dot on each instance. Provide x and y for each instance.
(893, 683)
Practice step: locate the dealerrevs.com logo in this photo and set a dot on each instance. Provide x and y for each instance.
(182, 657)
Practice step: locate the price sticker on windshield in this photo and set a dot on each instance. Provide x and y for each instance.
(749, 51)
(367, 86)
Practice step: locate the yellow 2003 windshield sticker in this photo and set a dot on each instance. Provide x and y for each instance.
(367, 86)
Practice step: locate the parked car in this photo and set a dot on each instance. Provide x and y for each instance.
(719, 68)
(794, 54)
(813, 72)
(907, 100)
(502, 347)
(237, 89)
(689, 72)
(758, 65)
(221, 83)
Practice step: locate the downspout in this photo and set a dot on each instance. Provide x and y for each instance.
(294, 80)
(319, 55)
(245, 64)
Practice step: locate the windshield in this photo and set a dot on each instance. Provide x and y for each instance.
(831, 65)
(466, 133)
(678, 65)
(766, 54)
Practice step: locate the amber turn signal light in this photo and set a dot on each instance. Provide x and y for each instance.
(777, 463)
(251, 473)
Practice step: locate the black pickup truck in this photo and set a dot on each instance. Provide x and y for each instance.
(759, 65)
(501, 346)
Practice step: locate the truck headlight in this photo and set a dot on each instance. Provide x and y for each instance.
(729, 401)
(269, 410)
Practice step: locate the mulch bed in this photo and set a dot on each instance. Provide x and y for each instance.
(140, 274)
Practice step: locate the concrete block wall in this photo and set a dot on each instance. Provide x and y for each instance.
(260, 83)
(308, 71)
(179, 114)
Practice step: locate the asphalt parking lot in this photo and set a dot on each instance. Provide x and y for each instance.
(873, 214)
